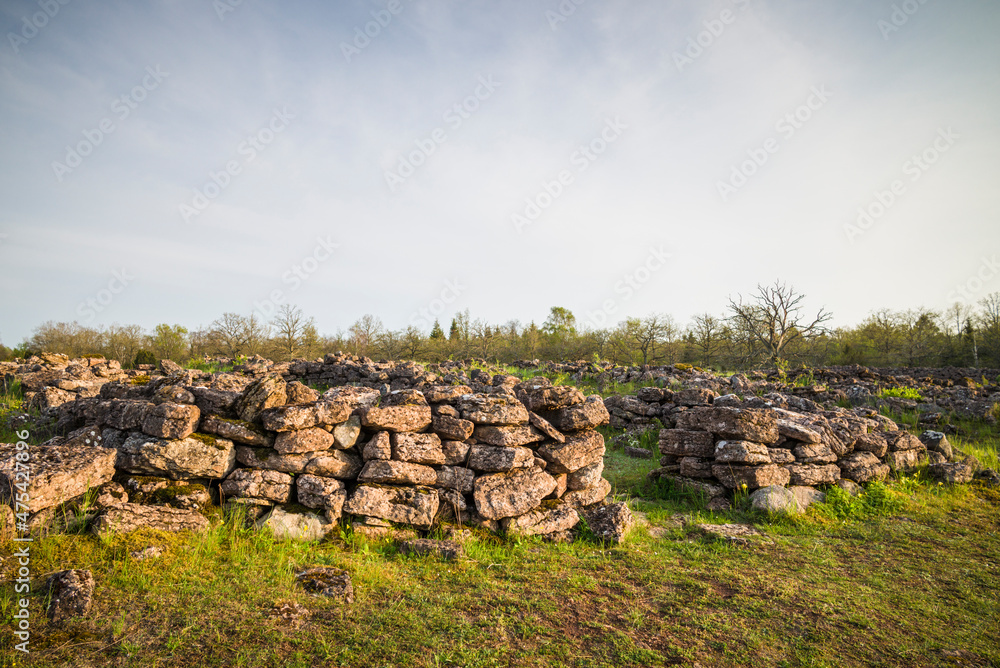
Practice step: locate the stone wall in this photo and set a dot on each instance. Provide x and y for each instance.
(719, 444)
(513, 457)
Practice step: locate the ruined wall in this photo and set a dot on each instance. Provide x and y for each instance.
(513, 457)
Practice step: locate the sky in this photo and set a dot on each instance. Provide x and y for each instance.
(172, 160)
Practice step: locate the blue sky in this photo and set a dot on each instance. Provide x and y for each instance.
(174, 160)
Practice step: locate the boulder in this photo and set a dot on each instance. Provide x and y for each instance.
(404, 505)
(170, 420)
(694, 396)
(902, 441)
(346, 434)
(258, 396)
(303, 416)
(55, 474)
(272, 460)
(379, 447)
(610, 523)
(508, 436)
(806, 496)
(397, 473)
(581, 498)
(812, 474)
(70, 594)
(311, 439)
(327, 581)
(500, 495)
(814, 453)
(754, 477)
(874, 443)
(781, 456)
(746, 424)
(741, 452)
(295, 524)
(197, 456)
(577, 451)
(257, 484)
(491, 458)
(452, 428)
(775, 499)
(686, 443)
(323, 493)
(341, 464)
(587, 476)
(443, 549)
(587, 415)
(130, 517)
(542, 521)
(935, 441)
(438, 394)
(397, 419)
(956, 473)
(455, 452)
(862, 467)
(494, 409)
(549, 398)
(237, 431)
(417, 448)
(904, 460)
(797, 432)
(457, 478)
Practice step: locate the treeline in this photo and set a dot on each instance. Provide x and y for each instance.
(768, 328)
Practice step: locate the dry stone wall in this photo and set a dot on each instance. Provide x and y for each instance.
(517, 457)
(718, 444)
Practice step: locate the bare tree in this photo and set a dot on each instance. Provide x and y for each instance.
(365, 333)
(774, 319)
(709, 334)
(289, 324)
(237, 335)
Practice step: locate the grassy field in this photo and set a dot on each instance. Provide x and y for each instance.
(907, 575)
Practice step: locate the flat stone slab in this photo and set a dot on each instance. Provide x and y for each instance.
(131, 516)
(55, 473)
(737, 534)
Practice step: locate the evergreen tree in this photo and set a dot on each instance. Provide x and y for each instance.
(436, 332)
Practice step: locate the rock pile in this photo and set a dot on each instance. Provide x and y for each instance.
(716, 444)
(518, 457)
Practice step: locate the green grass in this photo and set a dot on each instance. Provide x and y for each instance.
(902, 393)
(827, 589)
(890, 578)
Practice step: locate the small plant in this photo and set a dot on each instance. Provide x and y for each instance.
(901, 393)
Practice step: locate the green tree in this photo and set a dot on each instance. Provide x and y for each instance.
(436, 333)
(169, 343)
